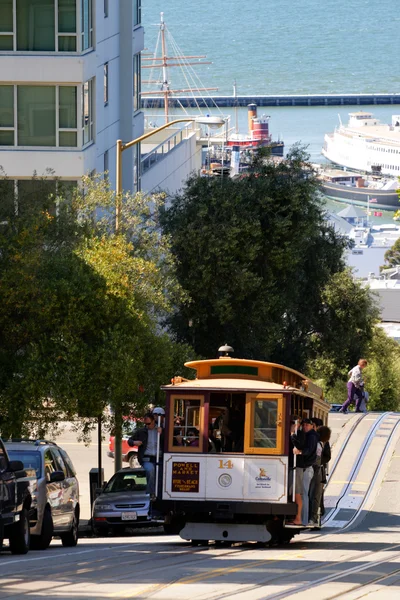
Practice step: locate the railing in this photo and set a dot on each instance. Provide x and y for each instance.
(159, 152)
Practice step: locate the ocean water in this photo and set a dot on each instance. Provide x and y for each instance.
(283, 47)
(286, 46)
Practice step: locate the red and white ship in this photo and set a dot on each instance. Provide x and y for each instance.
(258, 135)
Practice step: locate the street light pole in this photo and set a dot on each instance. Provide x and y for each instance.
(120, 147)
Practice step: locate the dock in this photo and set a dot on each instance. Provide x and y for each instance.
(281, 100)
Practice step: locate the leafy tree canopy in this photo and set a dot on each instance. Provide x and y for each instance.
(343, 329)
(392, 256)
(254, 256)
(80, 307)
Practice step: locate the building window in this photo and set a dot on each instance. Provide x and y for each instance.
(137, 12)
(38, 25)
(105, 85)
(7, 125)
(38, 115)
(87, 24)
(87, 112)
(105, 9)
(22, 195)
(136, 81)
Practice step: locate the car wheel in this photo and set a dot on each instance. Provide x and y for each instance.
(20, 535)
(133, 461)
(70, 538)
(42, 541)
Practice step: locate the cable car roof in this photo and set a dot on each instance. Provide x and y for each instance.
(231, 374)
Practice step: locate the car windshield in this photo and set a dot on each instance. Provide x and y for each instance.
(127, 482)
(30, 459)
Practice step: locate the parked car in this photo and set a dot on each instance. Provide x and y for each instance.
(123, 502)
(129, 454)
(335, 407)
(15, 503)
(56, 498)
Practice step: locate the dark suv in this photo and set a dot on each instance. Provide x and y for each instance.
(56, 494)
(15, 503)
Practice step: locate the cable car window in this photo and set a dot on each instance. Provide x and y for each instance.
(263, 426)
(264, 423)
(186, 427)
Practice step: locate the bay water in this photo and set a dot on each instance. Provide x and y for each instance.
(284, 47)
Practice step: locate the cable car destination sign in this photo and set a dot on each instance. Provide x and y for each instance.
(185, 477)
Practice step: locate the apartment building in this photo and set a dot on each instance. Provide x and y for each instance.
(69, 88)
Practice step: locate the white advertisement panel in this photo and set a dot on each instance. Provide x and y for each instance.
(225, 477)
(266, 479)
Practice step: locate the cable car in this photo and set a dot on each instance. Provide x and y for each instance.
(226, 464)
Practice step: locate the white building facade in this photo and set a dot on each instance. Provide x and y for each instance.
(69, 88)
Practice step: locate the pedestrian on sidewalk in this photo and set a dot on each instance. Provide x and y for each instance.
(355, 386)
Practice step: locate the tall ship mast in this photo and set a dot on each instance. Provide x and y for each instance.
(159, 65)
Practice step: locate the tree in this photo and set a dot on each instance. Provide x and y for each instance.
(253, 256)
(343, 328)
(392, 256)
(80, 308)
(383, 372)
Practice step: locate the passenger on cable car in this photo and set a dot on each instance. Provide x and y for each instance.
(214, 444)
(325, 436)
(192, 437)
(178, 437)
(305, 449)
(230, 424)
(315, 491)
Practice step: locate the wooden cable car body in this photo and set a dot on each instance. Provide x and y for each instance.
(227, 463)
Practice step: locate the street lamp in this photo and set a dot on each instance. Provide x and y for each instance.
(212, 122)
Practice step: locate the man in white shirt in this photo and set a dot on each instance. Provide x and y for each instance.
(355, 386)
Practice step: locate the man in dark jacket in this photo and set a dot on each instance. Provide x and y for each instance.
(146, 440)
(306, 452)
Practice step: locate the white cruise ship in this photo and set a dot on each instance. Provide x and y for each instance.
(365, 144)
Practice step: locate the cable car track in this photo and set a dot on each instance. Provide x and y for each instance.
(357, 465)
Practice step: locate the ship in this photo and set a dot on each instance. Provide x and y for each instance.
(366, 145)
(258, 135)
(358, 188)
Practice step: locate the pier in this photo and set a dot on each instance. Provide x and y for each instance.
(281, 100)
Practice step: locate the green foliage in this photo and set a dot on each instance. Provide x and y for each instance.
(382, 374)
(80, 308)
(253, 256)
(343, 329)
(392, 256)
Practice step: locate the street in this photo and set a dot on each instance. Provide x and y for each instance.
(362, 561)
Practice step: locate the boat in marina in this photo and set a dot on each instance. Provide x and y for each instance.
(258, 135)
(359, 188)
(365, 144)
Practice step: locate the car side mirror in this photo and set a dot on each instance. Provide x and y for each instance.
(56, 476)
(16, 465)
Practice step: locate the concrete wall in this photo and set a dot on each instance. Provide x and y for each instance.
(171, 172)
